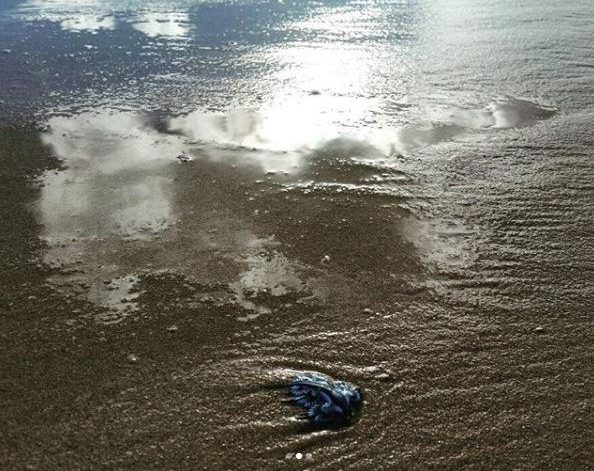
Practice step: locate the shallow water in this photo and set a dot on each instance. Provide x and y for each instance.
(203, 198)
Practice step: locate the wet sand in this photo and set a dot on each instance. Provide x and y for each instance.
(200, 199)
(472, 343)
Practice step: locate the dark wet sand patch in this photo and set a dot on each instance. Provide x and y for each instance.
(482, 364)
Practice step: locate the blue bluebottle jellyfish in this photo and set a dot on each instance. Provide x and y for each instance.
(327, 402)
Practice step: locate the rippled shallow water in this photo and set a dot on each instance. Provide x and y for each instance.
(203, 198)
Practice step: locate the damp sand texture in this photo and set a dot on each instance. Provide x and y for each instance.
(201, 199)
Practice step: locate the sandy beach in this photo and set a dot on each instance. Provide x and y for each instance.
(201, 199)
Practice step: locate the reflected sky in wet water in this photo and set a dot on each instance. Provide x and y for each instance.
(123, 190)
(300, 99)
(200, 189)
(357, 64)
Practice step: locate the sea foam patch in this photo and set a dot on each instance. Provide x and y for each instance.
(503, 114)
(155, 21)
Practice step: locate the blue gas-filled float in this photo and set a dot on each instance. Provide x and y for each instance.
(327, 402)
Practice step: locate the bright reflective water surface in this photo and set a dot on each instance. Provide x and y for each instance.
(202, 197)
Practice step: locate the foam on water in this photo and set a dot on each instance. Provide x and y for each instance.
(503, 114)
(168, 25)
(160, 21)
(88, 23)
